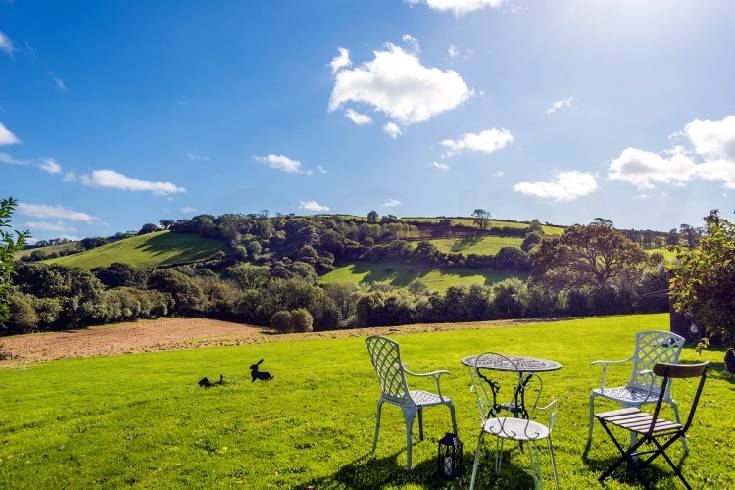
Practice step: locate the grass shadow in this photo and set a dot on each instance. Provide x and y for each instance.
(654, 473)
(189, 248)
(466, 242)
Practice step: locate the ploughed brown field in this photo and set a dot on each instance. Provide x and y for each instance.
(183, 333)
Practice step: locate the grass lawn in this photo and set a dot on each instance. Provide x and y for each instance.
(485, 245)
(401, 275)
(149, 250)
(141, 419)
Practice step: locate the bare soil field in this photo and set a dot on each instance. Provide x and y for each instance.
(183, 333)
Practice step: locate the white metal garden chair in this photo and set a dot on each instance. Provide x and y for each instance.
(385, 355)
(525, 431)
(643, 388)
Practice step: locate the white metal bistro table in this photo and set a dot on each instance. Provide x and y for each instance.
(523, 365)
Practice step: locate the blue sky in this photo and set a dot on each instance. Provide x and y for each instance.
(114, 114)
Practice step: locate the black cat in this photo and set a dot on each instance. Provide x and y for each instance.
(257, 374)
(205, 383)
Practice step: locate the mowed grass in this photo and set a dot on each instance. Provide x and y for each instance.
(478, 245)
(140, 419)
(401, 275)
(149, 250)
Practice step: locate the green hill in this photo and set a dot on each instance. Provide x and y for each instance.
(437, 279)
(61, 247)
(149, 250)
(478, 245)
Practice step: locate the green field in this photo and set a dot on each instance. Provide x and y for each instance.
(548, 229)
(437, 279)
(62, 247)
(140, 419)
(149, 250)
(669, 255)
(479, 245)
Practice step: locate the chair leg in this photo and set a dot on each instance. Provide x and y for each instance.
(454, 418)
(553, 463)
(499, 455)
(675, 407)
(421, 423)
(377, 425)
(591, 421)
(477, 458)
(410, 415)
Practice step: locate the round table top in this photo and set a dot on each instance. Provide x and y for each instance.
(512, 363)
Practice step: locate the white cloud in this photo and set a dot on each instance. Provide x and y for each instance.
(195, 157)
(357, 117)
(342, 60)
(708, 154)
(487, 141)
(500, 173)
(459, 7)
(282, 163)
(566, 186)
(392, 129)
(321, 169)
(6, 44)
(188, 210)
(643, 168)
(398, 85)
(443, 167)
(313, 206)
(58, 81)
(453, 51)
(50, 166)
(565, 103)
(392, 203)
(58, 226)
(7, 137)
(411, 42)
(54, 212)
(10, 160)
(70, 177)
(116, 180)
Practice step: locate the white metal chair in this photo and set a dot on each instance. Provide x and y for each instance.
(643, 388)
(385, 355)
(521, 430)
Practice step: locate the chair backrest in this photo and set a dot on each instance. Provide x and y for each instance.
(487, 386)
(653, 347)
(669, 371)
(385, 354)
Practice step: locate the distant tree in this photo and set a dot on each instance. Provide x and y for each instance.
(166, 223)
(703, 279)
(10, 243)
(690, 234)
(590, 255)
(281, 321)
(264, 213)
(672, 237)
(148, 228)
(301, 320)
(535, 227)
(118, 274)
(602, 222)
(92, 242)
(481, 218)
(531, 240)
(372, 217)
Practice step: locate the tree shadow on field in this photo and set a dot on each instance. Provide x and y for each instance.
(190, 248)
(369, 472)
(466, 242)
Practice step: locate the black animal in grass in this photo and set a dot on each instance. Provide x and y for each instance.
(205, 383)
(730, 361)
(256, 373)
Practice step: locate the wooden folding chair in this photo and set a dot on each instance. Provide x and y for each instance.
(651, 428)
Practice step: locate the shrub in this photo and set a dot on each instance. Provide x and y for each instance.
(281, 321)
(531, 240)
(22, 315)
(301, 320)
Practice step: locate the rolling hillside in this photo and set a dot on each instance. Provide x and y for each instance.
(62, 247)
(149, 250)
(401, 275)
(483, 245)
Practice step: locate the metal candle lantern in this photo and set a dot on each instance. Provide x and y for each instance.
(449, 460)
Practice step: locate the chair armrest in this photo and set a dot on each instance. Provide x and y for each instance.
(649, 372)
(552, 418)
(605, 365)
(434, 374)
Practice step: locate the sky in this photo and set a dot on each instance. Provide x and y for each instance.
(117, 113)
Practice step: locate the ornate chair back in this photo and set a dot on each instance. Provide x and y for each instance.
(385, 354)
(653, 347)
(486, 384)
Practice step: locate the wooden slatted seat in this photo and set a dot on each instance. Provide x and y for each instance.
(634, 420)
